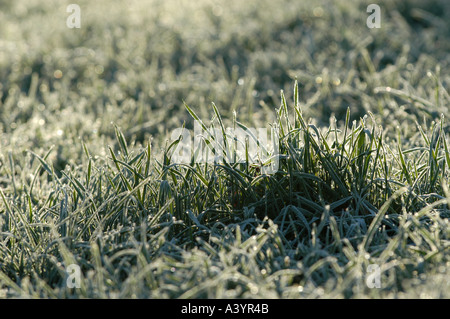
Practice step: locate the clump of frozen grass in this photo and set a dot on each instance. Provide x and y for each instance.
(341, 200)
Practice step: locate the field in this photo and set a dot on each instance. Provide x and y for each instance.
(93, 205)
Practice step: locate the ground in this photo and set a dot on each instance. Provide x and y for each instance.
(93, 204)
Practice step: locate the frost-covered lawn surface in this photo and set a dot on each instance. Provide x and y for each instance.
(93, 206)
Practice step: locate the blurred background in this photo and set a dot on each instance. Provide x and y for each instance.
(133, 63)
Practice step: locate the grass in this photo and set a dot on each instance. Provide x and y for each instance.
(86, 175)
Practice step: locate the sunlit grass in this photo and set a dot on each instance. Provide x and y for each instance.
(86, 175)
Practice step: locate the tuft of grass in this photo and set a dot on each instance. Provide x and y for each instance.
(139, 227)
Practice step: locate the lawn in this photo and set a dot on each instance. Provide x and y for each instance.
(95, 204)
